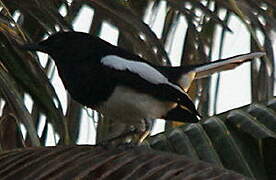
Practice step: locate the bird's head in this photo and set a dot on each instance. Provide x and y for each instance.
(63, 44)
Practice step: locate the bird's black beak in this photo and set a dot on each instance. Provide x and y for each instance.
(32, 47)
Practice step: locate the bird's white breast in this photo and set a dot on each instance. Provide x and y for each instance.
(129, 106)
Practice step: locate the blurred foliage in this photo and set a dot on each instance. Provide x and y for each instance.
(243, 140)
(21, 73)
(96, 162)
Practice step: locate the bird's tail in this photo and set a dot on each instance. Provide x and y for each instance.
(203, 70)
(207, 69)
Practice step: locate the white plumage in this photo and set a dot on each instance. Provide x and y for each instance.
(142, 69)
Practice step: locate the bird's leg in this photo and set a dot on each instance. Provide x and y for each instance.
(138, 134)
(129, 132)
(143, 136)
(148, 123)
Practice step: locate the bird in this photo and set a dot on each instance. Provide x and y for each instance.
(122, 85)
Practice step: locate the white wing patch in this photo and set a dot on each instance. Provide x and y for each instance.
(142, 69)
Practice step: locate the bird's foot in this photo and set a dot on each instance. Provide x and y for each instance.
(111, 143)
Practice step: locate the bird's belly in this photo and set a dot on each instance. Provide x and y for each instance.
(127, 105)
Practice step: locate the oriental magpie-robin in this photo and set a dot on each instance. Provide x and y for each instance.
(122, 85)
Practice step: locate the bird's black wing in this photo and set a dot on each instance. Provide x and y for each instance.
(180, 114)
(146, 79)
(180, 75)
